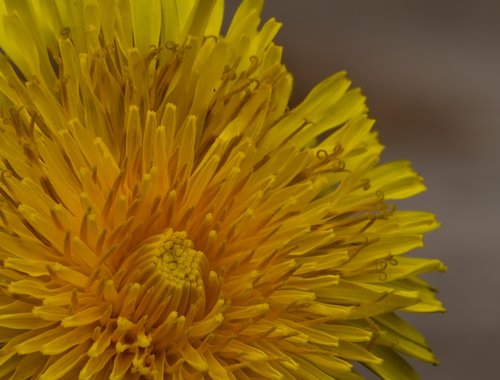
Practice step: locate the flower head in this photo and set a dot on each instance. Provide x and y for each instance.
(165, 215)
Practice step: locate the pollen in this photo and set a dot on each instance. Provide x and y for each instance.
(178, 262)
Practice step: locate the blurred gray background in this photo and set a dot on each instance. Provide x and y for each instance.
(430, 72)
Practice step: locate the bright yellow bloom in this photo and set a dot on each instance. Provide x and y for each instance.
(164, 215)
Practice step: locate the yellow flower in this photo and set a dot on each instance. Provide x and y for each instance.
(164, 215)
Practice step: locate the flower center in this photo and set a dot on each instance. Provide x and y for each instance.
(170, 276)
(179, 263)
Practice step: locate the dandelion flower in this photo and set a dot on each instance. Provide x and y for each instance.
(165, 215)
